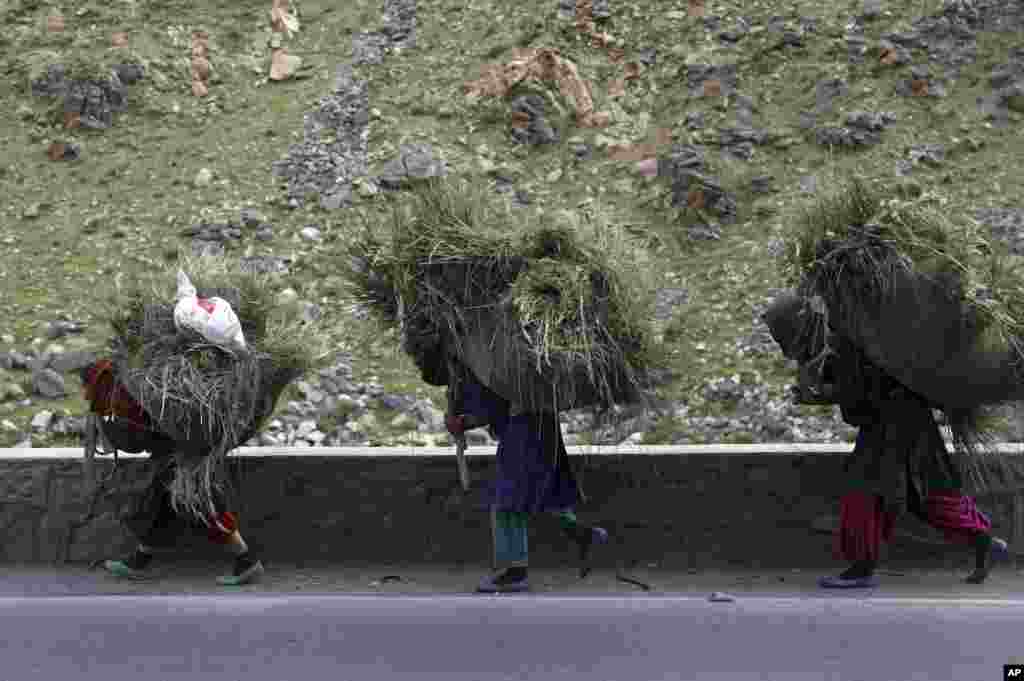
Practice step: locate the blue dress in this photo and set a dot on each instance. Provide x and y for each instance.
(533, 472)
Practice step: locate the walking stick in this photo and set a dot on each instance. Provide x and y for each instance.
(454, 395)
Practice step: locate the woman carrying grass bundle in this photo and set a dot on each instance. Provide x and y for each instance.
(533, 476)
(205, 364)
(153, 520)
(921, 310)
(900, 463)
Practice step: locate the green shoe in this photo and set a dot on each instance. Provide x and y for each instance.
(242, 576)
(120, 568)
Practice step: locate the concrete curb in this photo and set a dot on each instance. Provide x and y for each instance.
(765, 449)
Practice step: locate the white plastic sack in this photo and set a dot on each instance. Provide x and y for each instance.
(212, 318)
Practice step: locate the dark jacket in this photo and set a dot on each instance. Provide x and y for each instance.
(533, 471)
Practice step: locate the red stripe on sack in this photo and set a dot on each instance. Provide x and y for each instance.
(205, 304)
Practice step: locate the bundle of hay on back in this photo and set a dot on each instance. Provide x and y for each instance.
(928, 299)
(207, 398)
(549, 315)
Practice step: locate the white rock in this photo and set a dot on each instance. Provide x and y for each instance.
(310, 234)
(634, 439)
(316, 437)
(42, 421)
(287, 296)
(7, 339)
(24, 444)
(8, 425)
(305, 428)
(268, 440)
(204, 177)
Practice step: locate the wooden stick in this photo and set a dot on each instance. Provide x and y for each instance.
(454, 393)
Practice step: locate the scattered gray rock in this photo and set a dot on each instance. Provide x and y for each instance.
(931, 155)
(723, 390)
(826, 92)
(870, 10)
(217, 232)
(862, 129)
(61, 328)
(16, 360)
(809, 184)
(686, 170)
(648, 56)
(69, 151)
(207, 248)
(537, 130)
(42, 421)
(726, 74)
(919, 76)
(341, 196)
(130, 74)
(736, 32)
(310, 312)
(68, 425)
(762, 184)
(599, 9)
(250, 218)
(49, 384)
(901, 55)
(399, 19)
(333, 150)
(264, 264)
(1007, 82)
(414, 162)
(94, 101)
(581, 151)
(666, 301)
(368, 47)
(1006, 225)
(739, 142)
(265, 233)
(72, 361)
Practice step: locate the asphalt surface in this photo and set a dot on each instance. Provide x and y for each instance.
(379, 623)
(466, 638)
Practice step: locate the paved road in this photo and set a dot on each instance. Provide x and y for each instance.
(465, 638)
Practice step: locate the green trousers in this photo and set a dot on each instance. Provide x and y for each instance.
(511, 530)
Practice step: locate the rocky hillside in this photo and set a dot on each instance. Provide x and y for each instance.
(700, 125)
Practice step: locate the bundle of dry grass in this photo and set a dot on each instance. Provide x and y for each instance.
(549, 314)
(207, 398)
(930, 300)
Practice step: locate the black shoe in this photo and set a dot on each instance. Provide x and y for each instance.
(987, 549)
(585, 542)
(510, 580)
(245, 571)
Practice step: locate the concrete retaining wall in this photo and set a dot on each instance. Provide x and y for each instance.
(684, 507)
